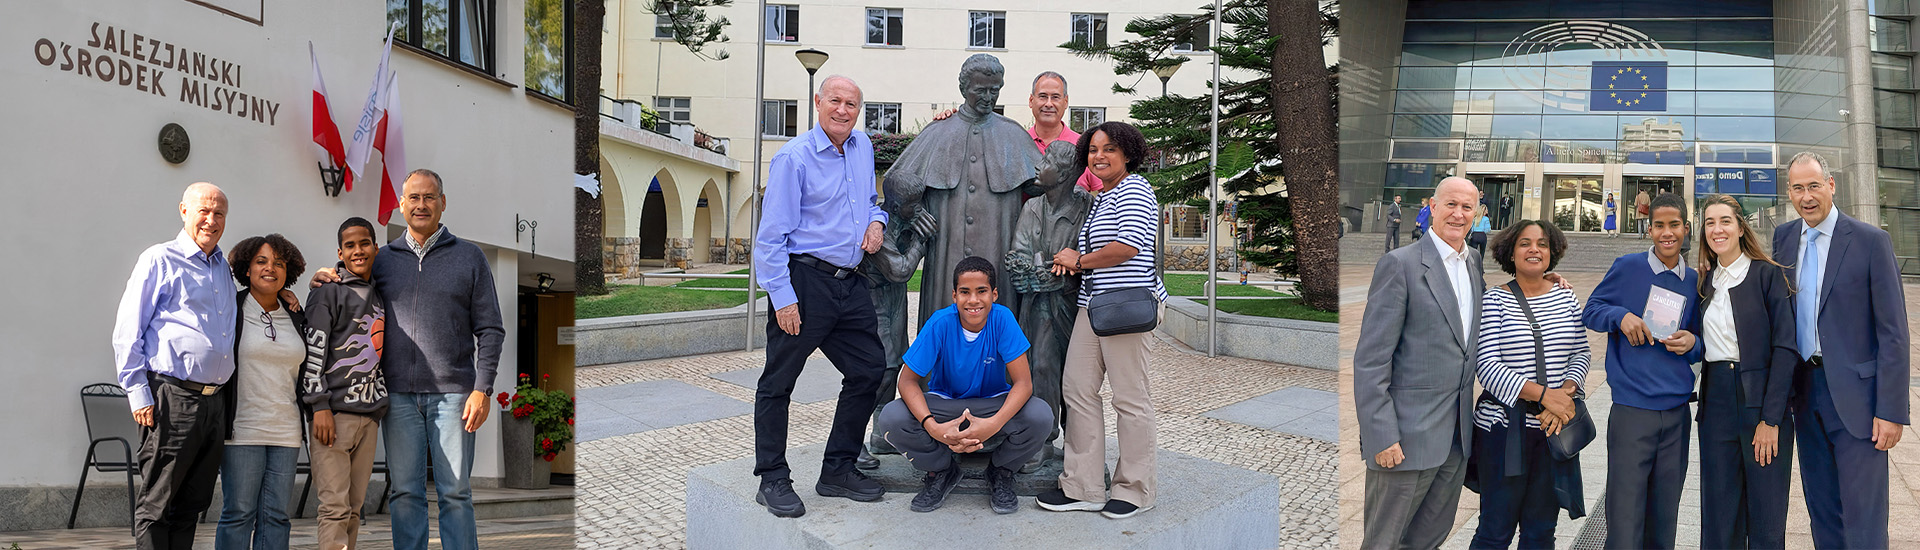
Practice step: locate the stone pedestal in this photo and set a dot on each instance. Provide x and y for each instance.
(679, 252)
(1202, 505)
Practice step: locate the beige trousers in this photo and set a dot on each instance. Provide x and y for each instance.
(341, 472)
(1122, 362)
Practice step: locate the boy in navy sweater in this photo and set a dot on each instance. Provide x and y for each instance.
(1652, 380)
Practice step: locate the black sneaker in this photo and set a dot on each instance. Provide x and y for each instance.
(1057, 501)
(778, 496)
(866, 460)
(1120, 509)
(934, 491)
(1001, 481)
(853, 485)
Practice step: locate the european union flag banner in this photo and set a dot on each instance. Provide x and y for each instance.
(1629, 86)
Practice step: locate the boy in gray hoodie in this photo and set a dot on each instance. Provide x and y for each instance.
(343, 385)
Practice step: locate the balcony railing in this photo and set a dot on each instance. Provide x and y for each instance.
(628, 112)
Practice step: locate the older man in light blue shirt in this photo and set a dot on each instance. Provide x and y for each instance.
(173, 349)
(819, 218)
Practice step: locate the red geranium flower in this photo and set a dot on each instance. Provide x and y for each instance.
(550, 456)
(546, 444)
(569, 422)
(503, 399)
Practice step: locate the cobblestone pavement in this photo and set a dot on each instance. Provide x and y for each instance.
(633, 488)
(1356, 276)
(526, 533)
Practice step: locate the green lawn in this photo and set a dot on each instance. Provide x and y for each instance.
(912, 285)
(1283, 308)
(636, 300)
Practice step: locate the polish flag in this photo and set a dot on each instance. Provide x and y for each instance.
(326, 134)
(393, 151)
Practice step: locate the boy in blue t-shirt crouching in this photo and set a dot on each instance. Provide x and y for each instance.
(973, 358)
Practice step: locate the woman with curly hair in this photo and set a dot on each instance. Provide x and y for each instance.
(1115, 251)
(263, 443)
(1517, 413)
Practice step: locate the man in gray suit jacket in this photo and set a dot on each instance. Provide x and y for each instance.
(1413, 377)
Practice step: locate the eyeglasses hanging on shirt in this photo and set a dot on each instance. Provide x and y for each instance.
(268, 319)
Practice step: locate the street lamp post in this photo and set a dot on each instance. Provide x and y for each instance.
(812, 59)
(1165, 72)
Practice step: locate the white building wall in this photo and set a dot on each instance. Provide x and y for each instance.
(87, 190)
(921, 75)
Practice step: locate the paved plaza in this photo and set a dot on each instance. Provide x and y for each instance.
(645, 425)
(1356, 273)
(526, 533)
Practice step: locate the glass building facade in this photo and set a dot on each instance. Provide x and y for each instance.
(1898, 181)
(1604, 98)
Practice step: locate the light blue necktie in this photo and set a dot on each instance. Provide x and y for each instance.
(1807, 307)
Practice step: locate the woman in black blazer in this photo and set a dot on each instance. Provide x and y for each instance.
(1746, 435)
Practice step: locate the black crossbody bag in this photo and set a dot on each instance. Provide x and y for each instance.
(1118, 311)
(1579, 431)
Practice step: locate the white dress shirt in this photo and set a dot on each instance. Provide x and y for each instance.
(1722, 343)
(1456, 261)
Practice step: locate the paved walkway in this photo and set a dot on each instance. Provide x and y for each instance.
(645, 425)
(1355, 276)
(529, 533)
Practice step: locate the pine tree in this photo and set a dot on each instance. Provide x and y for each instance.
(1271, 129)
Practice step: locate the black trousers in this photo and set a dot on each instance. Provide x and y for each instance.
(1524, 501)
(1393, 236)
(1646, 468)
(179, 461)
(837, 318)
(1742, 504)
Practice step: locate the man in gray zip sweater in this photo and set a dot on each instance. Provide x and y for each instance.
(443, 338)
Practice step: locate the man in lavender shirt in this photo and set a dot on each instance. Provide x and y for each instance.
(820, 217)
(173, 348)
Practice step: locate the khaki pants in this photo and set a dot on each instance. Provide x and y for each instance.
(341, 472)
(1122, 362)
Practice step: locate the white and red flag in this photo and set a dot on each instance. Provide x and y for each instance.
(326, 133)
(364, 131)
(393, 150)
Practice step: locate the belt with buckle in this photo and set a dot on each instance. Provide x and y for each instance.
(189, 385)
(835, 271)
(1718, 364)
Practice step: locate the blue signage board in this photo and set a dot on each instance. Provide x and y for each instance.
(1760, 181)
(1702, 181)
(1731, 180)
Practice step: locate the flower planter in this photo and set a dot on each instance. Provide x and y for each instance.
(524, 469)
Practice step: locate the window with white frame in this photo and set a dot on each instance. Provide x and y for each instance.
(883, 118)
(781, 118)
(674, 109)
(987, 29)
(1082, 118)
(883, 27)
(783, 23)
(1197, 40)
(662, 25)
(1090, 29)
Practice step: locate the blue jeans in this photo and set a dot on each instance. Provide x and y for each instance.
(423, 427)
(255, 481)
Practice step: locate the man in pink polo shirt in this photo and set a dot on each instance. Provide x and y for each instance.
(1049, 97)
(1049, 103)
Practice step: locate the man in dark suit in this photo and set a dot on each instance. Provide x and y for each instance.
(1413, 377)
(1851, 388)
(1393, 224)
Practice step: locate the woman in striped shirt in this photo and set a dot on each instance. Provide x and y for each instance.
(1517, 485)
(1115, 250)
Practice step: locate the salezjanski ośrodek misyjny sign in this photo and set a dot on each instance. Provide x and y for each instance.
(141, 63)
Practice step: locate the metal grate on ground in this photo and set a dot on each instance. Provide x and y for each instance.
(1593, 535)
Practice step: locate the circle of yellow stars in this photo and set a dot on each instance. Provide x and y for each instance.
(1629, 101)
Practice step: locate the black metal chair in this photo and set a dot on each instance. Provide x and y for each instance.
(108, 420)
(305, 467)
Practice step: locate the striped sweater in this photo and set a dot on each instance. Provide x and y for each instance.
(1128, 213)
(1507, 348)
